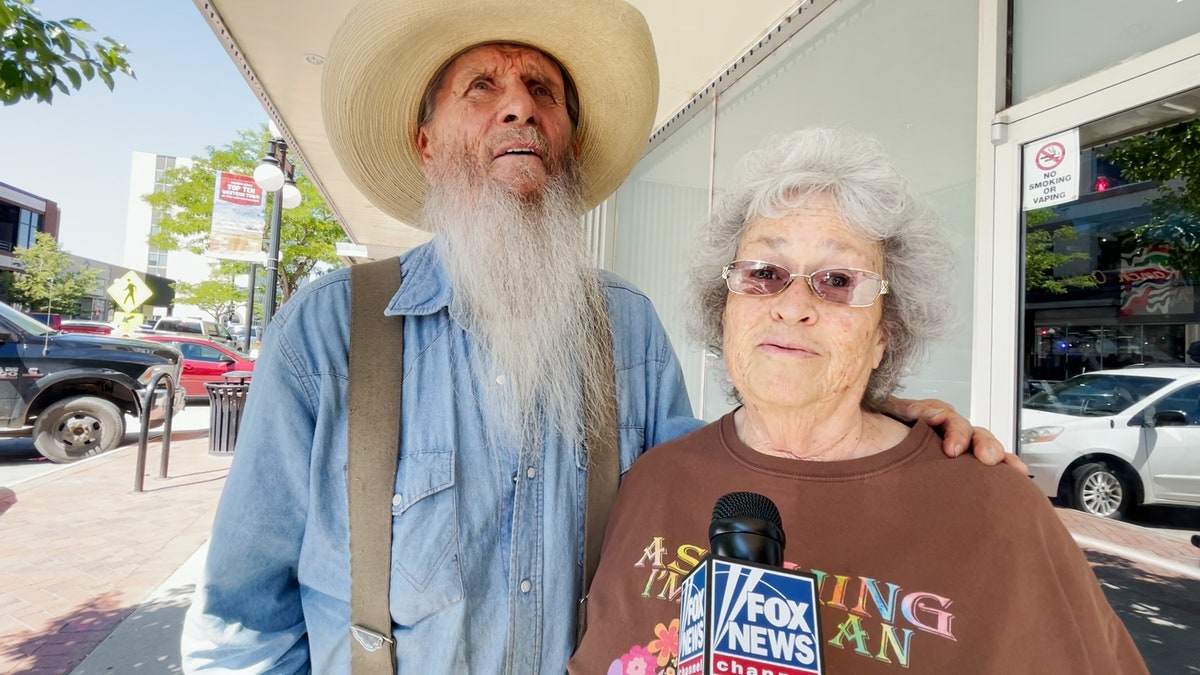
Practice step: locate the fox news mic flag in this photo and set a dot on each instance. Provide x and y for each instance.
(738, 617)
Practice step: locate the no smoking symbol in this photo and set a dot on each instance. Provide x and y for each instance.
(1050, 156)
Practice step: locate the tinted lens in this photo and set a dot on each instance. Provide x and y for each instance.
(843, 286)
(756, 278)
(846, 287)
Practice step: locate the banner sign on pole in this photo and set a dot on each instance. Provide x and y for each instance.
(1050, 173)
(238, 214)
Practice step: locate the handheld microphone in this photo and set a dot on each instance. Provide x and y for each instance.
(747, 526)
(740, 613)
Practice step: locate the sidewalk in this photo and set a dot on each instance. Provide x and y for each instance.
(96, 579)
(82, 551)
(1152, 580)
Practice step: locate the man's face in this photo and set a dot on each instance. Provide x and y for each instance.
(502, 109)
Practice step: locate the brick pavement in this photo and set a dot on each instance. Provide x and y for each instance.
(81, 550)
(1176, 551)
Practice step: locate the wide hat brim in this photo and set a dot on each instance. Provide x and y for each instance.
(385, 53)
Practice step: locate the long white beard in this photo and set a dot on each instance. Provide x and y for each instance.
(522, 279)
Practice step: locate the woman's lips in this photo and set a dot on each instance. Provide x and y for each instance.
(786, 349)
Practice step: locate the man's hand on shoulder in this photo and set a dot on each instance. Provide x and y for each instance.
(958, 435)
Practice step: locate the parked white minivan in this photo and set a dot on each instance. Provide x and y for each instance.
(1107, 440)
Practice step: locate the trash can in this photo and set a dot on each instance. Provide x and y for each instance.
(225, 404)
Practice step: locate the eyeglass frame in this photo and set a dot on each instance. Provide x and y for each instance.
(883, 283)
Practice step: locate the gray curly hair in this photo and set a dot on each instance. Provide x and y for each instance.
(876, 203)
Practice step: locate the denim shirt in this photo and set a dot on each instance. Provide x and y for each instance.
(487, 539)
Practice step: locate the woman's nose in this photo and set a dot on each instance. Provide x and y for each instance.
(796, 304)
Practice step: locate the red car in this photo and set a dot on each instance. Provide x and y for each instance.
(203, 361)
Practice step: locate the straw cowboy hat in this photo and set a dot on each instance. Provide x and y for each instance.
(385, 53)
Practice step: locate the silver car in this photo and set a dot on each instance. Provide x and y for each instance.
(1107, 440)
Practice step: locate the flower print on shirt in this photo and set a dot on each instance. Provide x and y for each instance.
(657, 658)
(666, 647)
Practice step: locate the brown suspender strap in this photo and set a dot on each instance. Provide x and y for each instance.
(376, 369)
(600, 438)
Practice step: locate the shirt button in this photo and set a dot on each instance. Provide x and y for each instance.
(530, 472)
(499, 379)
(397, 500)
(526, 586)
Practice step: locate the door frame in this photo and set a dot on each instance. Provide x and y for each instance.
(998, 274)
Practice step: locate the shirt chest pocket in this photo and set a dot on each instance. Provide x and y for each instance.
(426, 575)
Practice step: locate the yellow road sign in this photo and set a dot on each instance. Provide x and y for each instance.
(129, 292)
(128, 322)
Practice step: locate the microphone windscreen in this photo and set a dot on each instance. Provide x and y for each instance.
(747, 505)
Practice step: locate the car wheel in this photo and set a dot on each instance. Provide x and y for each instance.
(1100, 491)
(75, 428)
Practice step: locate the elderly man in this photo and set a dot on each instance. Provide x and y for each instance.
(495, 125)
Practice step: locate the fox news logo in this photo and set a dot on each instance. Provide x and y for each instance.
(753, 621)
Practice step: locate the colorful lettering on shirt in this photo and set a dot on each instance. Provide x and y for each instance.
(879, 620)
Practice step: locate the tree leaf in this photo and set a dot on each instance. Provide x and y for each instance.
(73, 76)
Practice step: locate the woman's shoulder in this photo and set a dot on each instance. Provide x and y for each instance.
(993, 493)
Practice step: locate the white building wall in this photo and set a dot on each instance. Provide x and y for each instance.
(181, 265)
(138, 213)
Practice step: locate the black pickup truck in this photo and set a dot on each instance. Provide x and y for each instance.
(71, 392)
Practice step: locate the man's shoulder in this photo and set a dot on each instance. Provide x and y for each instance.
(619, 289)
(629, 306)
(688, 447)
(328, 292)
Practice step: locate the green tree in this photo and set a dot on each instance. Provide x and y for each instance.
(1172, 156)
(8, 292)
(218, 295)
(50, 278)
(38, 56)
(308, 233)
(1041, 258)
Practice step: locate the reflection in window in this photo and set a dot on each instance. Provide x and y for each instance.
(1110, 278)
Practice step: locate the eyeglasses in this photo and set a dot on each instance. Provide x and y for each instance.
(840, 285)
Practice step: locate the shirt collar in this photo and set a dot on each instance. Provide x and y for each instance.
(424, 285)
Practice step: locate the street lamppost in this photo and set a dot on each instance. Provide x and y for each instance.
(275, 174)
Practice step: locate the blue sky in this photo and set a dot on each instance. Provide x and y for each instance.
(188, 95)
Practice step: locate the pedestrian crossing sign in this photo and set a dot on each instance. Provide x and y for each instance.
(129, 292)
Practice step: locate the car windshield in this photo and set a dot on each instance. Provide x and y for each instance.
(1095, 394)
(25, 323)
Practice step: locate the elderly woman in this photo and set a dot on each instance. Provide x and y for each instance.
(822, 281)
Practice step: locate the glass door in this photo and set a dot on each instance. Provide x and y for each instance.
(1092, 254)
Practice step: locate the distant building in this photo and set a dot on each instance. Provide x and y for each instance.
(145, 177)
(22, 215)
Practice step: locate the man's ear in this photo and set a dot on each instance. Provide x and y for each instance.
(576, 147)
(423, 151)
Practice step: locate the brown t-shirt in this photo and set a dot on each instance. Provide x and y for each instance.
(924, 564)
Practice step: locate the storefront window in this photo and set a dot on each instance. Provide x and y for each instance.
(1054, 43)
(660, 209)
(904, 72)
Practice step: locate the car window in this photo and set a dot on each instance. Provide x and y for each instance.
(1186, 401)
(24, 322)
(209, 353)
(189, 351)
(1095, 395)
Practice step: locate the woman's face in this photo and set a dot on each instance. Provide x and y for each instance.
(793, 348)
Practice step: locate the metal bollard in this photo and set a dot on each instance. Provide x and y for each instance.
(147, 404)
